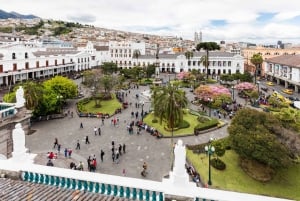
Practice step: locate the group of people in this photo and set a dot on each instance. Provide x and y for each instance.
(117, 151)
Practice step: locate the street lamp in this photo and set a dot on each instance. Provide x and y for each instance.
(258, 82)
(232, 89)
(142, 113)
(210, 100)
(209, 149)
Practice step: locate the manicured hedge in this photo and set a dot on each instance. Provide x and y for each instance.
(206, 125)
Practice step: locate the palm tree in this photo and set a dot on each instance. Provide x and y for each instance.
(136, 54)
(32, 94)
(189, 55)
(256, 60)
(207, 46)
(168, 104)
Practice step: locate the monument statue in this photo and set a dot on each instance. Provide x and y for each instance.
(20, 97)
(18, 136)
(180, 154)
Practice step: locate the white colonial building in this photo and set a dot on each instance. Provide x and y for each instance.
(19, 62)
(219, 62)
(285, 70)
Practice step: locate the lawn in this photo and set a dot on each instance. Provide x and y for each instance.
(286, 183)
(109, 107)
(192, 119)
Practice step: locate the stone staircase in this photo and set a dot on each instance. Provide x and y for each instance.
(18, 190)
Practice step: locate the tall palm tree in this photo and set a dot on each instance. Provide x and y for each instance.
(136, 54)
(169, 103)
(32, 93)
(207, 46)
(256, 60)
(189, 55)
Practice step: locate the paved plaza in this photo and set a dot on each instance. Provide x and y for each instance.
(139, 148)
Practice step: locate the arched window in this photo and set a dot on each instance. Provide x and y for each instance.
(26, 55)
(13, 55)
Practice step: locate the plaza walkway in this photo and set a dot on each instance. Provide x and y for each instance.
(139, 148)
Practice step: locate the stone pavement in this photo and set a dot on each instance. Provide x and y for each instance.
(139, 148)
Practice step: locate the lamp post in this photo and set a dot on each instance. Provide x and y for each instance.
(209, 149)
(232, 89)
(258, 82)
(59, 97)
(142, 113)
(210, 100)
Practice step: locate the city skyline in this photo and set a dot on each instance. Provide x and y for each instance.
(230, 20)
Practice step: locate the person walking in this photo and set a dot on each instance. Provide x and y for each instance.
(102, 155)
(55, 143)
(102, 120)
(70, 152)
(87, 140)
(58, 148)
(78, 145)
(124, 148)
(99, 131)
(95, 130)
(66, 152)
(120, 149)
(81, 125)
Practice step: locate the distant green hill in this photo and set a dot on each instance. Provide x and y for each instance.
(6, 15)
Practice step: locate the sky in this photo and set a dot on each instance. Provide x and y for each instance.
(258, 21)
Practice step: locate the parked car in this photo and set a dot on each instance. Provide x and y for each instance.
(288, 91)
(270, 83)
(292, 98)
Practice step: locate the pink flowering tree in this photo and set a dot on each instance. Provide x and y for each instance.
(214, 95)
(245, 86)
(185, 76)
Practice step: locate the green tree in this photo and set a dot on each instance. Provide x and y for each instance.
(251, 135)
(207, 46)
(169, 103)
(32, 94)
(256, 60)
(61, 86)
(109, 68)
(136, 54)
(150, 70)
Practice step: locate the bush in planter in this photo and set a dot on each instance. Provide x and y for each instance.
(154, 121)
(184, 124)
(218, 164)
(206, 125)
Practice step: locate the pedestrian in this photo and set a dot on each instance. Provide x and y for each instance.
(87, 140)
(102, 155)
(99, 131)
(89, 163)
(81, 125)
(102, 120)
(58, 148)
(117, 156)
(66, 152)
(72, 114)
(120, 149)
(80, 166)
(95, 130)
(70, 152)
(55, 143)
(124, 172)
(113, 156)
(78, 145)
(124, 148)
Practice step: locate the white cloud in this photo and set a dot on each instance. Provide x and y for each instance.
(179, 18)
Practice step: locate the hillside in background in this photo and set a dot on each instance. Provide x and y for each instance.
(6, 15)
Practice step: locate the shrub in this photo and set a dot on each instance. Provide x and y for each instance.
(154, 121)
(203, 119)
(206, 125)
(218, 164)
(184, 124)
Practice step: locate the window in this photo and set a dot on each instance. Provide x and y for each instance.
(47, 63)
(13, 55)
(55, 62)
(15, 68)
(229, 63)
(37, 64)
(1, 68)
(26, 55)
(63, 61)
(27, 65)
